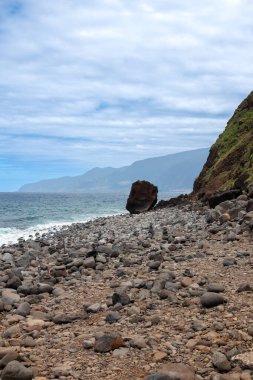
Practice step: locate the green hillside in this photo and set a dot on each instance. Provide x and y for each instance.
(230, 161)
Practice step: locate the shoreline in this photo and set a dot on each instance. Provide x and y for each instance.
(44, 229)
(120, 296)
(19, 224)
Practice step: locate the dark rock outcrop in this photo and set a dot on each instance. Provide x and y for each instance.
(181, 200)
(221, 196)
(142, 197)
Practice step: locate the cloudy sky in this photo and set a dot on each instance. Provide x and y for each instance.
(87, 83)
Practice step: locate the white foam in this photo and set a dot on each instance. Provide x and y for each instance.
(11, 235)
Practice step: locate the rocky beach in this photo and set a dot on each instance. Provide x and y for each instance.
(165, 294)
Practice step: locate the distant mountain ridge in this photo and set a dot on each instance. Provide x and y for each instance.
(171, 172)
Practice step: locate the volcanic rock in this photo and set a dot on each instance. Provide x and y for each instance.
(210, 299)
(217, 198)
(108, 342)
(142, 197)
(173, 371)
(16, 371)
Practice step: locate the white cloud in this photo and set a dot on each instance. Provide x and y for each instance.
(129, 79)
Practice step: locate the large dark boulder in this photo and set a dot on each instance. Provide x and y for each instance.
(221, 196)
(142, 197)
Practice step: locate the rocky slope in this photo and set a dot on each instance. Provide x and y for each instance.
(132, 297)
(230, 161)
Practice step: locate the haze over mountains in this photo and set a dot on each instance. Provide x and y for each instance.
(171, 172)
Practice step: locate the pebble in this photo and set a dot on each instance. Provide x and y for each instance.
(138, 342)
(210, 299)
(221, 362)
(229, 261)
(23, 309)
(89, 262)
(10, 296)
(173, 371)
(216, 288)
(94, 308)
(9, 357)
(121, 298)
(66, 318)
(112, 317)
(108, 342)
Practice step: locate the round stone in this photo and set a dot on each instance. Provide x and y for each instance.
(210, 299)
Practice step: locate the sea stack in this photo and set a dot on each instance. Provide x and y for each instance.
(142, 197)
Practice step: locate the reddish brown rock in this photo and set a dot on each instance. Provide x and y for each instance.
(108, 342)
(142, 197)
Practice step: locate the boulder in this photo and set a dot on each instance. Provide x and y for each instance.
(142, 197)
(108, 342)
(211, 299)
(16, 371)
(219, 197)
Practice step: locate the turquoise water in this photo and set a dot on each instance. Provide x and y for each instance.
(24, 214)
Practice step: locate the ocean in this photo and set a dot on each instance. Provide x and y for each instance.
(24, 214)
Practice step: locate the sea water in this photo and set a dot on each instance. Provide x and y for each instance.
(24, 214)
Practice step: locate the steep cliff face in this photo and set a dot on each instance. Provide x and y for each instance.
(230, 161)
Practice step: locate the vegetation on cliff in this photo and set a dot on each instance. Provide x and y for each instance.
(230, 161)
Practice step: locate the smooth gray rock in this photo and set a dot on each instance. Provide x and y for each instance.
(16, 371)
(173, 371)
(210, 299)
(120, 297)
(9, 357)
(62, 318)
(10, 332)
(39, 288)
(14, 282)
(229, 261)
(10, 296)
(7, 258)
(221, 362)
(245, 287)
(94, 308)
(216, 288)
(23, 309)
(112, 316)
(89, 263)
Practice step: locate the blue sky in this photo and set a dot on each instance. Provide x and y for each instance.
(107, 82)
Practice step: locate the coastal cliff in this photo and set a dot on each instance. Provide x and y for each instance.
(230, 160)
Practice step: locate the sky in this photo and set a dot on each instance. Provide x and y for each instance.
(86, 83)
